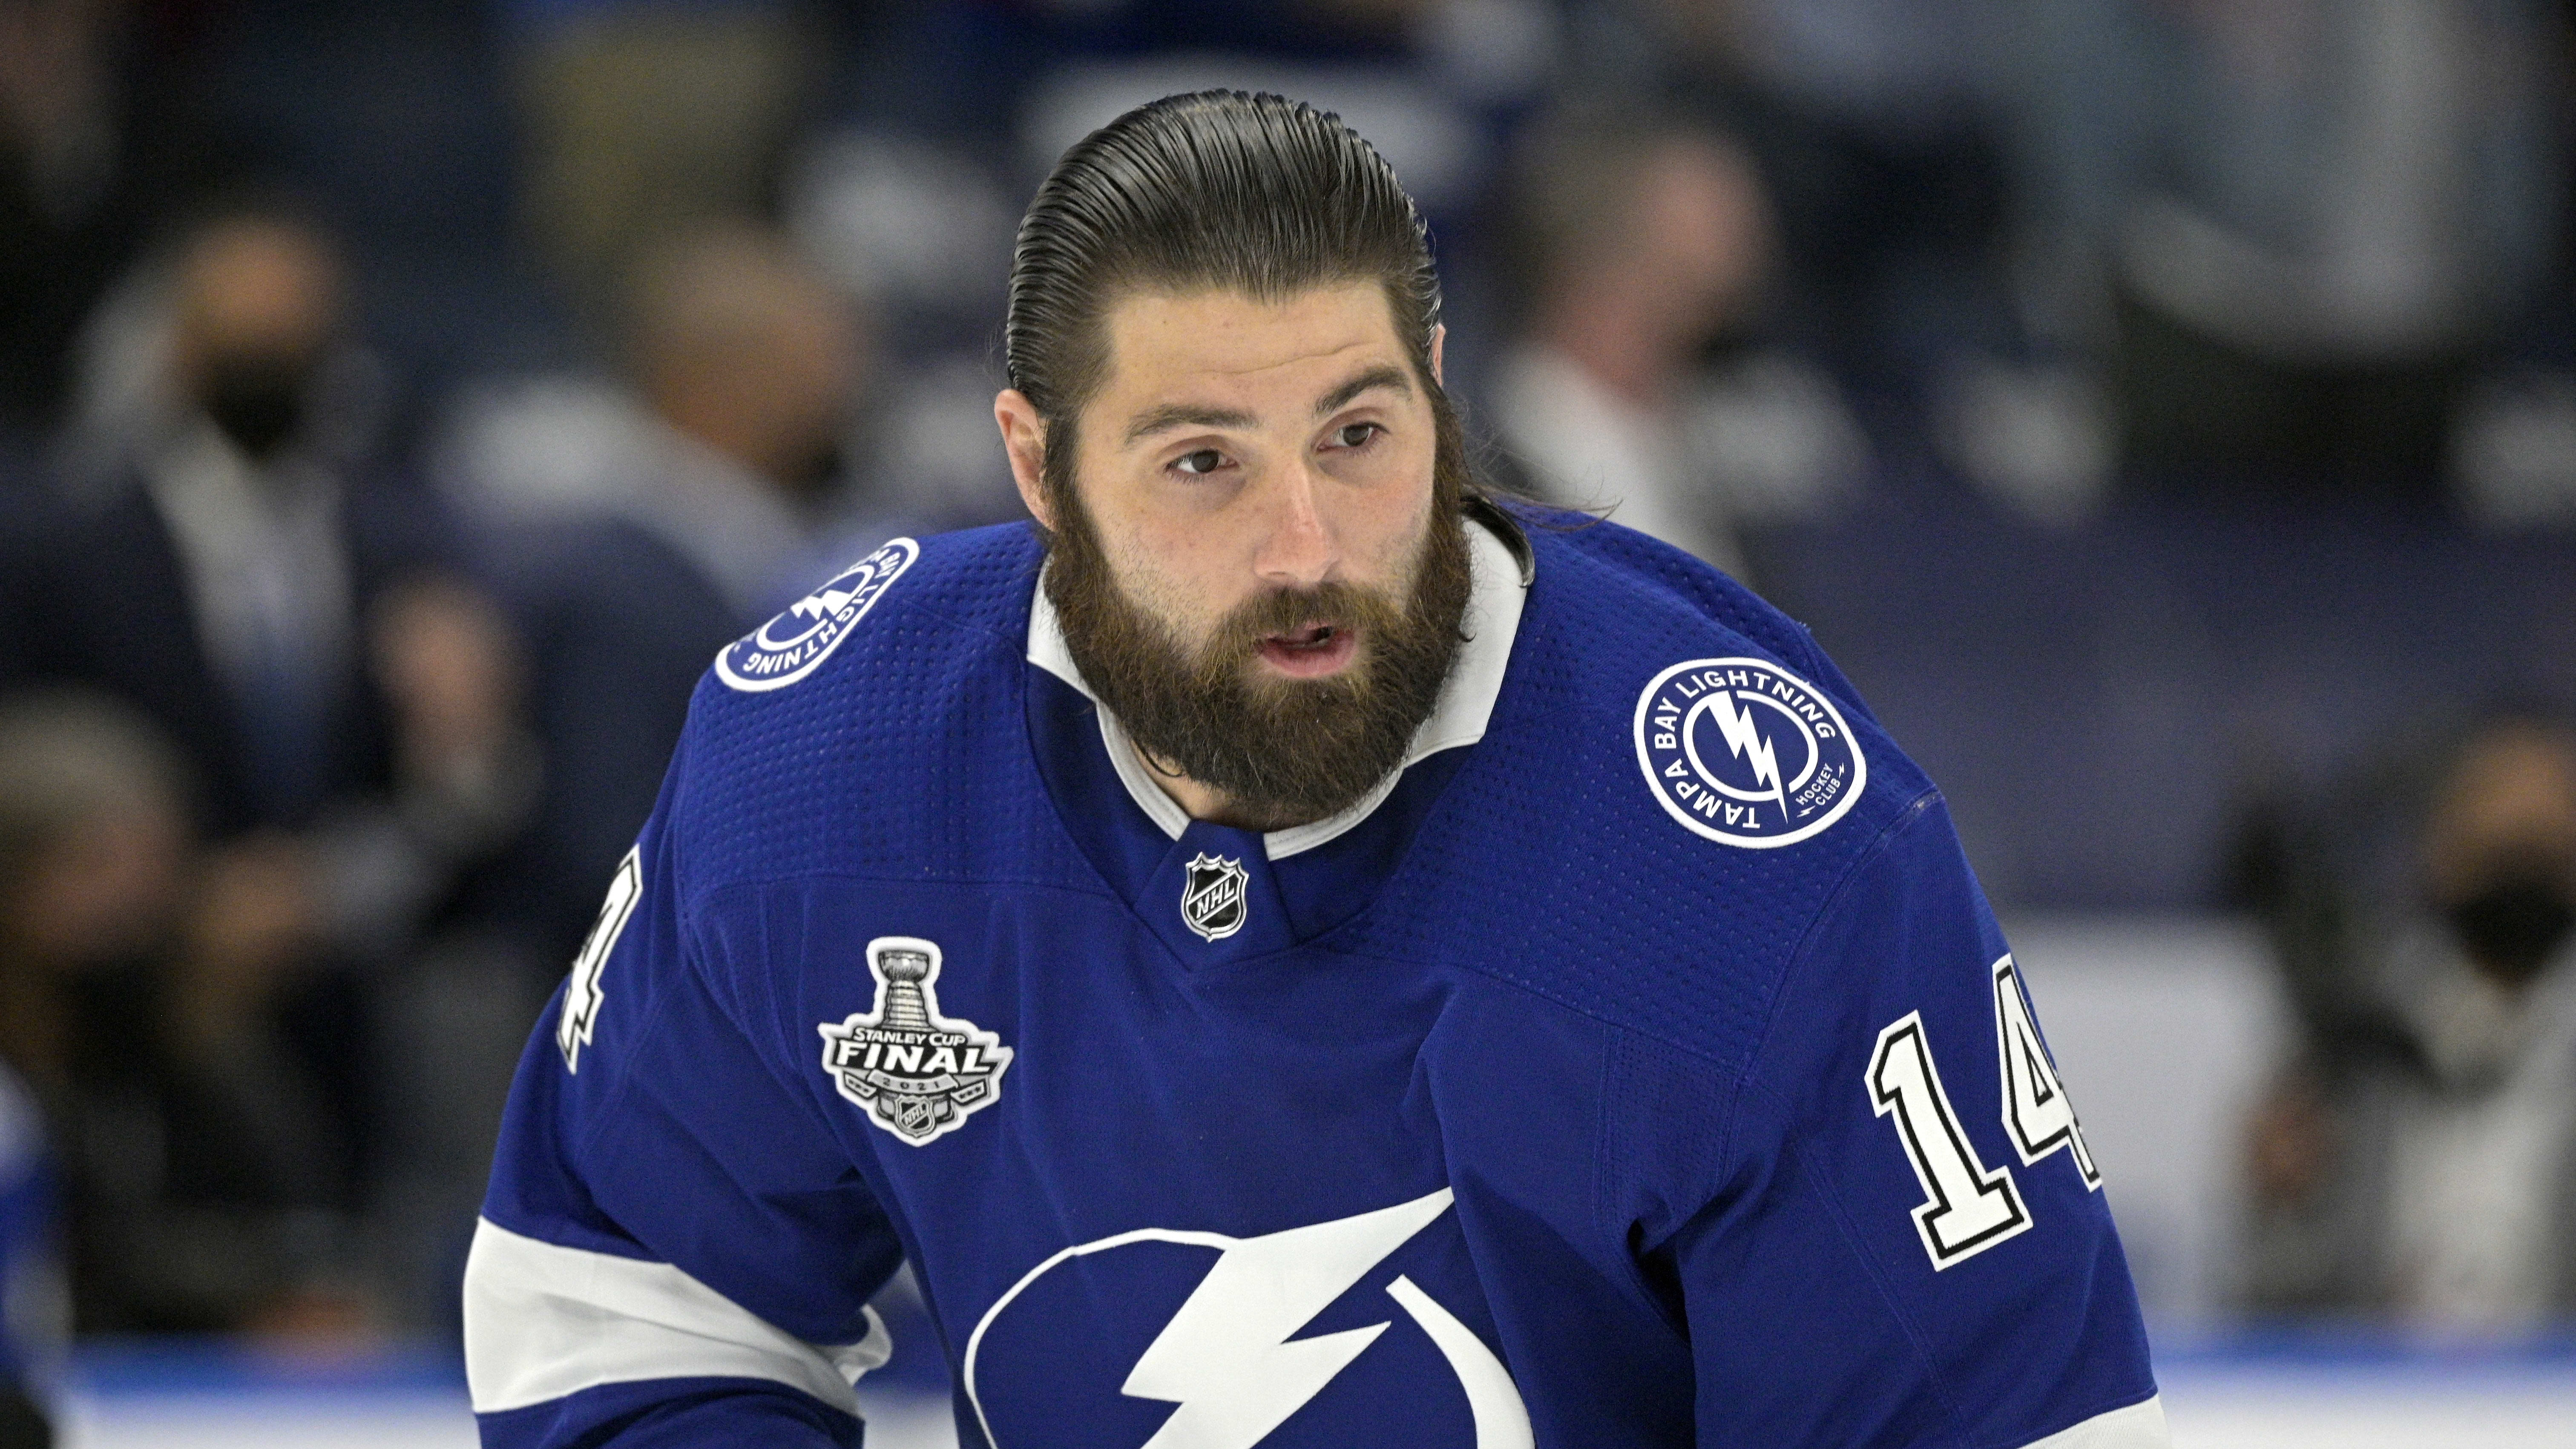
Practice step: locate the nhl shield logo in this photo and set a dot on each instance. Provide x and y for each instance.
(1212, 896)
(919, 1074)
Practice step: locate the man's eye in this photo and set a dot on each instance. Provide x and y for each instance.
(1205, 460)
(1357, 435)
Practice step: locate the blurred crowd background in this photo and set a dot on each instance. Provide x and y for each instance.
(2165, 410)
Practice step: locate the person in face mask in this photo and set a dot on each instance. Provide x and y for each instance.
(235, 558)
(2434, 1181)
(2481, 1205)
(295, 617)
(259, 308)
(2500, 853)
(255, 517)
(186, 1157)
(257, 402)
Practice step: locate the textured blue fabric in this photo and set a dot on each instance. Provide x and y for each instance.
(1634, 1056)
(28, 1249)
(673, 1414)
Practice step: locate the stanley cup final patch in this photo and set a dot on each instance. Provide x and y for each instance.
(1744, 753)
(1213, 901)
(919, 1074)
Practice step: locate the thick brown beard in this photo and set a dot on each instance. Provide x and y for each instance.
(1282, 751)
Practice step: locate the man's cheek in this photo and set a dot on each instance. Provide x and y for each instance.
(1159, 598)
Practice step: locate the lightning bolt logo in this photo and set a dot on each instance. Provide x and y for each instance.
(1706, 793)
(824, 604)
(1746, 743)
(1228, 1358)
(783, 650)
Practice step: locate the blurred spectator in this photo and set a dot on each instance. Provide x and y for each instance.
(646, 118)
(632, 536)
(2420, 1160)
(1647, 247)
(232, 564)
(636, 538)
(236, 567)
(1429, 82)
(135, 974)
(1878, 131)
(66, 224)
(2341, 207)
(990, 95)
(111, 114)
(1909, 151)
(921, 232)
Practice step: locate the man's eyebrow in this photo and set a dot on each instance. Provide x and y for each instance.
(1382, 375)
(1188, 415)
(1185, 415)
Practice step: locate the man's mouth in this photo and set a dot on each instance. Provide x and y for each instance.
(1312, 652)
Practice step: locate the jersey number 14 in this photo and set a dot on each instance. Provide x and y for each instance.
(1968, 1207)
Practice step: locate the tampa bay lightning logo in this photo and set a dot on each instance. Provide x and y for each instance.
(1313, 1336)
(1742, 752)
(796, 643)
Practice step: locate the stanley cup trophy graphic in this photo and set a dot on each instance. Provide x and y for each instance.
(918, 1073)
(904, 971)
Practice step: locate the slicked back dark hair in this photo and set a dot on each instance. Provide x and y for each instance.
(1256, 194)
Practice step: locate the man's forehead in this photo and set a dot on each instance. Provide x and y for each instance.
(1231, 348)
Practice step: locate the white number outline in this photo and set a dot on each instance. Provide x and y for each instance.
(582, 994)
(2025, 1063)
(2038, 1118)
(1987, 1194)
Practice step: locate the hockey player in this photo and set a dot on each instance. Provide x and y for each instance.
(1289, 951)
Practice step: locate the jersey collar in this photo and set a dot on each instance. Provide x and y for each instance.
(1499, 583)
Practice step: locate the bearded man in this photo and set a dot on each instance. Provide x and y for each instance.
(1291, 951)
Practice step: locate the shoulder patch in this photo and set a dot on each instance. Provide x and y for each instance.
(919, 1074)
(1744, 753)
(796, 643)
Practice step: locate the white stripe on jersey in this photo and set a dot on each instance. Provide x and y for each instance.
(2139, 1426)
(543, 1321)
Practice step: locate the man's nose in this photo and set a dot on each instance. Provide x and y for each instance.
(1298, 548)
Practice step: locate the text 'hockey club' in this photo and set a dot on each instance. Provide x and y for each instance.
(1744, 753)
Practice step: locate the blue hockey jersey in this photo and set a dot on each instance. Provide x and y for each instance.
(34, 1304)
(1641, 1066)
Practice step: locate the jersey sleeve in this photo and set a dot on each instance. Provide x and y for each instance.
(672, 1250)
(34, 1304)
(1909, 1243)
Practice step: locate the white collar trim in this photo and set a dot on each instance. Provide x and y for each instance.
(1466, 705)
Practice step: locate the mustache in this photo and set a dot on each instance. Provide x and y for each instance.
(1340, 606)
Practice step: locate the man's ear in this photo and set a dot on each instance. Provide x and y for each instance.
(1439, 334)
(1024, 439)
